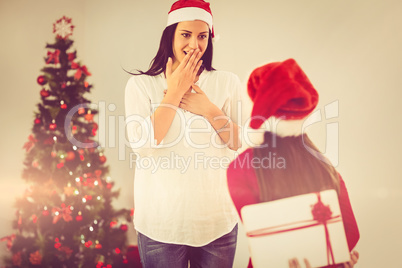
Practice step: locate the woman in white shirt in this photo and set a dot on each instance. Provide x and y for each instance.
(181, 119)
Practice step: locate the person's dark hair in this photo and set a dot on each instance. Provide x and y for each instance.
(158, 64)
(305, 171)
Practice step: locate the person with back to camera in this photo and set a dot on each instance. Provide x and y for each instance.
(180, 114)
(283, 96)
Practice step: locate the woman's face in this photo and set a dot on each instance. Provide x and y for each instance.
(189, 35)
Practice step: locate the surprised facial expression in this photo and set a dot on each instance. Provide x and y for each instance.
(189, 35)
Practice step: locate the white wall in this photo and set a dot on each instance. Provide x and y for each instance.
(351, 50)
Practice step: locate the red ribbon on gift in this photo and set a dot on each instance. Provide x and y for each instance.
(80, 70)
(322, 215)
(53, 57)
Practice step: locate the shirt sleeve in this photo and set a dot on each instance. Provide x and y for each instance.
(138, 106)
(349, 221)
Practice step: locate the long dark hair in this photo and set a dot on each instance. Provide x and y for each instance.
(304, 171)
(158, 64)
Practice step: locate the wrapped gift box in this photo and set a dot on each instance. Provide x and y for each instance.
(288, 228)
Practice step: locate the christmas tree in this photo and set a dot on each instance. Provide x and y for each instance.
(65, 218)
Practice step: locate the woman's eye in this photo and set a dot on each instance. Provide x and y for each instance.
(185, 35)
(203, 36)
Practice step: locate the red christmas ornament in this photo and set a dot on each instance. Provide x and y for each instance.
(37, 121)
(112, 224)
(63, 85)
(124, 227)
(102, 159)
(81, 110)
(60, 165)
(34, 218)
(41, 80)
(52, 126)
(88, 244)
(70, 156)
(57, 245)
(74, 129)
(78, 218)
(45, 213)
(53, 154)
(82, 158)
(117, 250)
(44, 93)
(109, 186)
(98, 246)
(86, 84)
(63, 105)
(89, 117)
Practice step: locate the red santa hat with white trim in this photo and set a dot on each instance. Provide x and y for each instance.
(189, 10)
(281, 90)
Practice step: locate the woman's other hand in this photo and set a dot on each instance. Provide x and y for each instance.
(197, 103)
(354, 257)
(294, 263)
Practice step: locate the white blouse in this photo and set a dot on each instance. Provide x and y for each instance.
(180, 187)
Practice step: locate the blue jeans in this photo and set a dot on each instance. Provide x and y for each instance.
(219, 253)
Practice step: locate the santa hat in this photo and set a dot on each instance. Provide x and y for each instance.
(281, 91)
(189, 10)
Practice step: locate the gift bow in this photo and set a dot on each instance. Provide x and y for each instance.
(80, 70)
(322, 215)
(53, 57)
